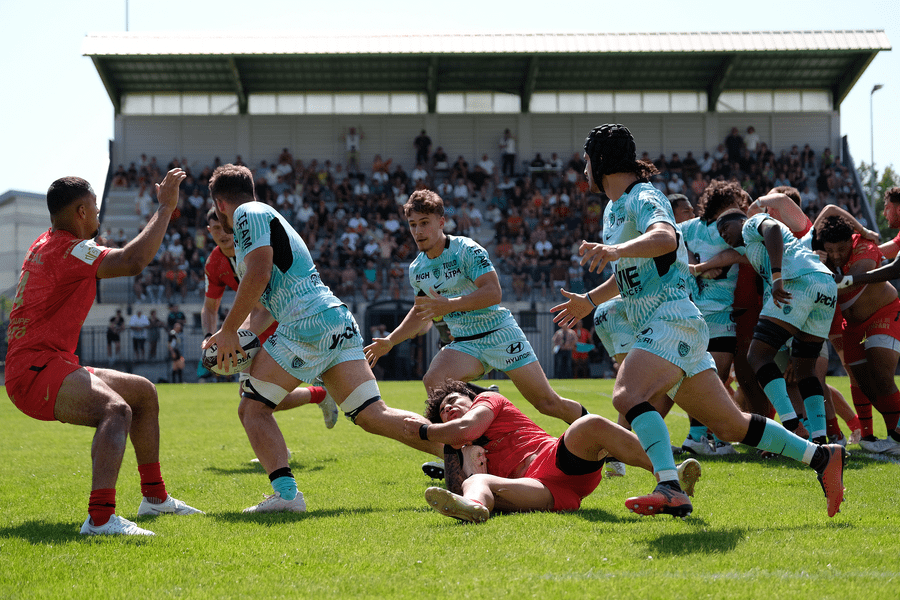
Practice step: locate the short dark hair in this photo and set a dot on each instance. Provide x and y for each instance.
(232, 183)
(66, 190)
(833, 230)
(212, 215)
(719, 196)
(437, 395)
(425, 202)
(892, 195)
(789, 191)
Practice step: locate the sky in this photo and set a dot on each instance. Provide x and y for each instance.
(56, 118)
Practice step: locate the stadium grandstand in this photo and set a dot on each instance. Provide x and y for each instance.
(339, 130)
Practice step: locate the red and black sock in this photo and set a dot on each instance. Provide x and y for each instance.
(889, 407)
(153, 488)
(102, 505)
(863, 410)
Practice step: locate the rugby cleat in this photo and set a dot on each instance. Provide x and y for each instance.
(688, 474)
(876, 446)
(701, 446)
(434, 469)
(838, 439)
(452, 505)
(115, 526)
(615, 468)
(663, 500)
(831, 477)
(329, 411)
(721, 448)
(170, 506)
(275, 503)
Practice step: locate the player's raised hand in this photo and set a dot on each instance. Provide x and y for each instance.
(167, 191)
(378, 348)
(575, 308)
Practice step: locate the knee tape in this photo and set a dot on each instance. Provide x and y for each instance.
(364, 395)
(771, 333)
(262, 391)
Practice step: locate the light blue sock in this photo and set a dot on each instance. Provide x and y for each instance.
(815, 415)
(696, 432)
(654, 436)
(286, 486)
(776, 392)
(779, 440)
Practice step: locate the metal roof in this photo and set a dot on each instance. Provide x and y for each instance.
(513, 63)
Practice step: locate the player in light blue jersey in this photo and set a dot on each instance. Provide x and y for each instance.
(453, 278)
(317, 336)
(798, 302)
(642, 242)
(715, 294)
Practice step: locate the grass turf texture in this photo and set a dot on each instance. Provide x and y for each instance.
(759, 527)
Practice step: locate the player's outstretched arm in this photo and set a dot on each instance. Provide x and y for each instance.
(410, 327)
(457, 432)
(723, 259)
(578, 306)
(137, 254)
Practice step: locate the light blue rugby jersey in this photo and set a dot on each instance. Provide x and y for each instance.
(295, 289)
(453, 274)
(648, 284)
(704, 241)
(797, 260)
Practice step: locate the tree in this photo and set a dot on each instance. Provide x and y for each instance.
(882, 182)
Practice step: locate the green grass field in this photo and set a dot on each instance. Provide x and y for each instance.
(759, 528)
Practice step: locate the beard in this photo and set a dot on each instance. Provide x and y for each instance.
(224, 221)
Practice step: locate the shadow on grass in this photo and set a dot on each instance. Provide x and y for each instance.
(281, 518)
(595, 515)
(254, 468)
(60, 532)
(701, 541)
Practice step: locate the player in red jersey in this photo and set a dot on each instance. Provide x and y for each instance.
(523, 468)
(43, 376)
(871, 333)
(221, 273)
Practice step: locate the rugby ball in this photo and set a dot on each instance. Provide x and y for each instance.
(249, 342)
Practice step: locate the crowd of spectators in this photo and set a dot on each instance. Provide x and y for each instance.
(532, 222)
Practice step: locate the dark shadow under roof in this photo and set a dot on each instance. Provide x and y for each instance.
(512, 63)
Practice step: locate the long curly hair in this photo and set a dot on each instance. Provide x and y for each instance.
(718, 197)
(437, 395)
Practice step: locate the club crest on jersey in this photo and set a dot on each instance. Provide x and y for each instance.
(787, 309)
(683, 349)
(436, 273)
(297, 362)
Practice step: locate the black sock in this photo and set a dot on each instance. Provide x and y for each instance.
(674, 485)
(819, 459)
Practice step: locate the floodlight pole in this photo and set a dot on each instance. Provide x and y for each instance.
(875, 88)
(126, 15)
